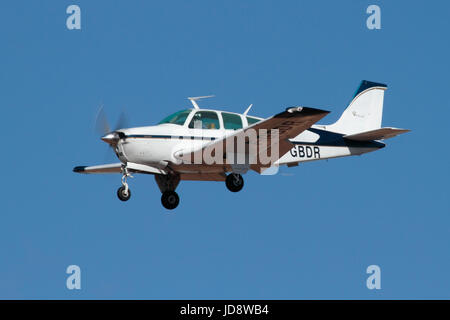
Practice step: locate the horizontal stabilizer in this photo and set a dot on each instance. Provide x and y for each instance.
(377, 134)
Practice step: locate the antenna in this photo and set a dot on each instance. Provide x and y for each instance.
(194, 100)
(248, 109)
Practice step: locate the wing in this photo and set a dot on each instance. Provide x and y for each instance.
(117, 168)
(289, 123)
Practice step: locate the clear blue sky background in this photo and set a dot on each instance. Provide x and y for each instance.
(308, 232)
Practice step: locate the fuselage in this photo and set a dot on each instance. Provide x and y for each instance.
(158, 145)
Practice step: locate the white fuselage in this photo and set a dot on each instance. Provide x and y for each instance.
(157, 145)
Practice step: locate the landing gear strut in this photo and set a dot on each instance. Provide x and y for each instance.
(124, 193)
(234, 182)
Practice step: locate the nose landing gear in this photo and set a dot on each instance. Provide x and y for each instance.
(124, 193)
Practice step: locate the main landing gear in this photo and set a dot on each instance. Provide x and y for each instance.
(124, 193)
(234, 182)
(167, 184)
(170, 200)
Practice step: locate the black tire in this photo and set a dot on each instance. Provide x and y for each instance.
(170, 200)
(234, 182)
(121, 194)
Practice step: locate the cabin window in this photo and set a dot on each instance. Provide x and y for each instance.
(251, 120)
(205, 120)
(177, 117)
(231, 121)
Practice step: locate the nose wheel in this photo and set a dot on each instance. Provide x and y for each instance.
(170, 200)
(234, 182)
(123, 193)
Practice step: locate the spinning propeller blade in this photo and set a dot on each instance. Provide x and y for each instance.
(122, 122)
(102, 126)
(101, 122)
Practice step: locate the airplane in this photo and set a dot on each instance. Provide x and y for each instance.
(166, 150)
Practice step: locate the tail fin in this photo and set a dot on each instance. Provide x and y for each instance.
(365, 111)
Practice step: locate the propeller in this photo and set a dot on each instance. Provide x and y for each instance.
(102, 124)
(122, 122)
(103, 128)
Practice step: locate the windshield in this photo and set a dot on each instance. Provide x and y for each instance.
(177, 117)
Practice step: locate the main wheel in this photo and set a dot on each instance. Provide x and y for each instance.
(122, 195)
(234, 182)
(170, 200)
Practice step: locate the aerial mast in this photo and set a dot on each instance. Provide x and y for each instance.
(195, 99)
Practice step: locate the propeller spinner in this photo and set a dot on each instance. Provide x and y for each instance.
(111, 137)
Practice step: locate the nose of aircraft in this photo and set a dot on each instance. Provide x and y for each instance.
(111, 138)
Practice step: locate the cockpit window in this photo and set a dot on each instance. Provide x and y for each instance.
(251, 120)
(204, 120)
(177, 117)
(231, 121)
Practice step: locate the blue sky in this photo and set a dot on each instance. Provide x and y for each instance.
(308, 232)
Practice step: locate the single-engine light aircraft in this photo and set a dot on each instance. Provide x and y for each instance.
(212, 145)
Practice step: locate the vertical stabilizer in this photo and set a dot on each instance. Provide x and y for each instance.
(365, 111)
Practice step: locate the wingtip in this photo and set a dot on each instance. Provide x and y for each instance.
(314, 111)
(307, 110)
(401, 130)
(79, 169)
